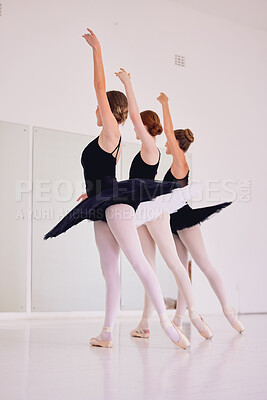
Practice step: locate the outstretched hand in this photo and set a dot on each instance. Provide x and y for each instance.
(163, 99)
(123, 75)
(83, 197)
(91, 39)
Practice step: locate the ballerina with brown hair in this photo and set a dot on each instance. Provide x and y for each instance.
(157, 232)
(185, 226)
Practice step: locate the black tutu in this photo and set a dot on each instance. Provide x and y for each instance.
(186, 217)
(134, 192)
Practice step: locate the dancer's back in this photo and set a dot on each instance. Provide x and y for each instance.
(99, 167)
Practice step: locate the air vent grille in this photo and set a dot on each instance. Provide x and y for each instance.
(179, 60)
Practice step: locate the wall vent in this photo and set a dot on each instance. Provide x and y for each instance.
(0, 9)
(179, 60)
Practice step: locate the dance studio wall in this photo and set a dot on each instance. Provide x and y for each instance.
(46, 80)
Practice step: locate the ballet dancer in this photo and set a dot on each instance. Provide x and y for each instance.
(185, 225)
(147, 126)
(114, 206)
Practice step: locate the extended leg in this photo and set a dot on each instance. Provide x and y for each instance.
(193, 240)
(149, 250)
(109, 251)
(161, 233)
(181, 304)
(121, 220)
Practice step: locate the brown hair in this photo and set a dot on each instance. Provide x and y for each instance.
(151, 120)
(118, 104)
(185, 137)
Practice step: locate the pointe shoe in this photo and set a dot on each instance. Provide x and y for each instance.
(183, 342)
(234, 321)
(205, 330)
(140, 333)
(102, 343)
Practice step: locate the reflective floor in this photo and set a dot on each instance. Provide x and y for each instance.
(51, 359)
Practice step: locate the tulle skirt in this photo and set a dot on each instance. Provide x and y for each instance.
(186, 217)
(148, 197)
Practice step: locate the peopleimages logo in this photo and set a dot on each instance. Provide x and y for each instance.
(49, 196)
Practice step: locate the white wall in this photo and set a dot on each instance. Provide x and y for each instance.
(46, 80)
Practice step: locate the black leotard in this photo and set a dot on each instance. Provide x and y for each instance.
(99, 167)
(140, 169)
(169, 177)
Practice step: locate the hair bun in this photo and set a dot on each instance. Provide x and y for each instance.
(189, 135)
(151, 120)
(156, 129)
(120, 114)
(118, 104)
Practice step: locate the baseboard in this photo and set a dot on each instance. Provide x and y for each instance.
(88, 314)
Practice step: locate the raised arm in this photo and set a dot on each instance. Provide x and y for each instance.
(149, 144)
(109, 121)
(179, 160)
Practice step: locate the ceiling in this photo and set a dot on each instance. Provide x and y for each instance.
(251, 13)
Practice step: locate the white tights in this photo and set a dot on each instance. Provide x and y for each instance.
(191, 240)
(121, 232)
(158, 232)
(109, 252)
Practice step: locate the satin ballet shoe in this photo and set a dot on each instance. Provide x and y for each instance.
(230, 314)
(205, 330)
(183, 342)
(100, 342)
(140, 333)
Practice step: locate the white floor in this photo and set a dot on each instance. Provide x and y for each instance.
(51, 360)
